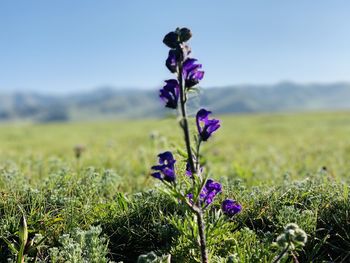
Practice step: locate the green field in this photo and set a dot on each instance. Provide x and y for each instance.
(282, 168)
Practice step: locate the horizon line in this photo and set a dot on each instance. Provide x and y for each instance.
(135, 88)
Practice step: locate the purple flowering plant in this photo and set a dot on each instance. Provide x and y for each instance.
(192, 188)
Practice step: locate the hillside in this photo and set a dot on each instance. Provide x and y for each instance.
(105, 103)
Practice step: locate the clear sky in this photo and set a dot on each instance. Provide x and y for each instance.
(72, 45)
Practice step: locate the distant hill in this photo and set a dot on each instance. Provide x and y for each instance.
(107, 103)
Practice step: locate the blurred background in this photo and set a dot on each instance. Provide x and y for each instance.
(90, 60)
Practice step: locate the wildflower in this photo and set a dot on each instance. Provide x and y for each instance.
(205, 126)
(78, 150)
(170, 93)
(292, 238)
(191, 72)
(209, 191)
(231, 207)
(171, 62)
(166, 168)
(188, 169)
(190, 196)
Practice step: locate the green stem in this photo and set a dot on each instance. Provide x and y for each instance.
(193, 167)
(280, 256)
(197, 164)
(184, 122)
(201, 230)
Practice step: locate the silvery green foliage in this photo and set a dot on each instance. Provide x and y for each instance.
(292, 237)
(153, 258)
(305, 219)
(81, 247)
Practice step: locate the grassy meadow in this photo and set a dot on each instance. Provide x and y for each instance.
(105, 206)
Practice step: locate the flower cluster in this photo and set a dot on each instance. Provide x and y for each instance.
(177, 61)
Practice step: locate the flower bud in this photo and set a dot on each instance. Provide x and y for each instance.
(281, 240)
(172, 60)
(78, 150)
(175, 38)
(291, 226)
(171, 39)
(300, 236)
(185, 34)
(23, 230)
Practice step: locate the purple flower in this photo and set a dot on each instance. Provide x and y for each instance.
(171, 62)
(190, 196)
(188, 169)
(208, 193)
(166, 168)
(231, 207)
(191, 72)
(170, 93)
(205, 126)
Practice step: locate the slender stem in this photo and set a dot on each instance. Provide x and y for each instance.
(201, 228)
(197, 158)
(294, 257)
(280, 256)
(20, 256)
(193, 167)
(184, 122)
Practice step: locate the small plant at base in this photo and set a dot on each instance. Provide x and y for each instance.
(25, 244)
(192, 190)
(81, 246)
(291, 239)
(153, 258)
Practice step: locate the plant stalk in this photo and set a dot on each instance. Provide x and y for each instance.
(280, 256)
(184, 122)
(193, 167)
(201, 230)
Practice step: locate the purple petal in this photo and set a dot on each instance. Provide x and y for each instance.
(205, 126)
(158, 167)
(165, 170)
(231, 207)
(188, 169)
(189, 65)
(191, 72)
(166, 158)
(203, 114)
(171, 62)
(157, 175)
(170, 93)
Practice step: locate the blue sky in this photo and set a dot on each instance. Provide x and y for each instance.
(68, 46)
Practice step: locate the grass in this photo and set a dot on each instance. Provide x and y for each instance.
(282, 168)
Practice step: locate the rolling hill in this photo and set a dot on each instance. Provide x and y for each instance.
(105, 103)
